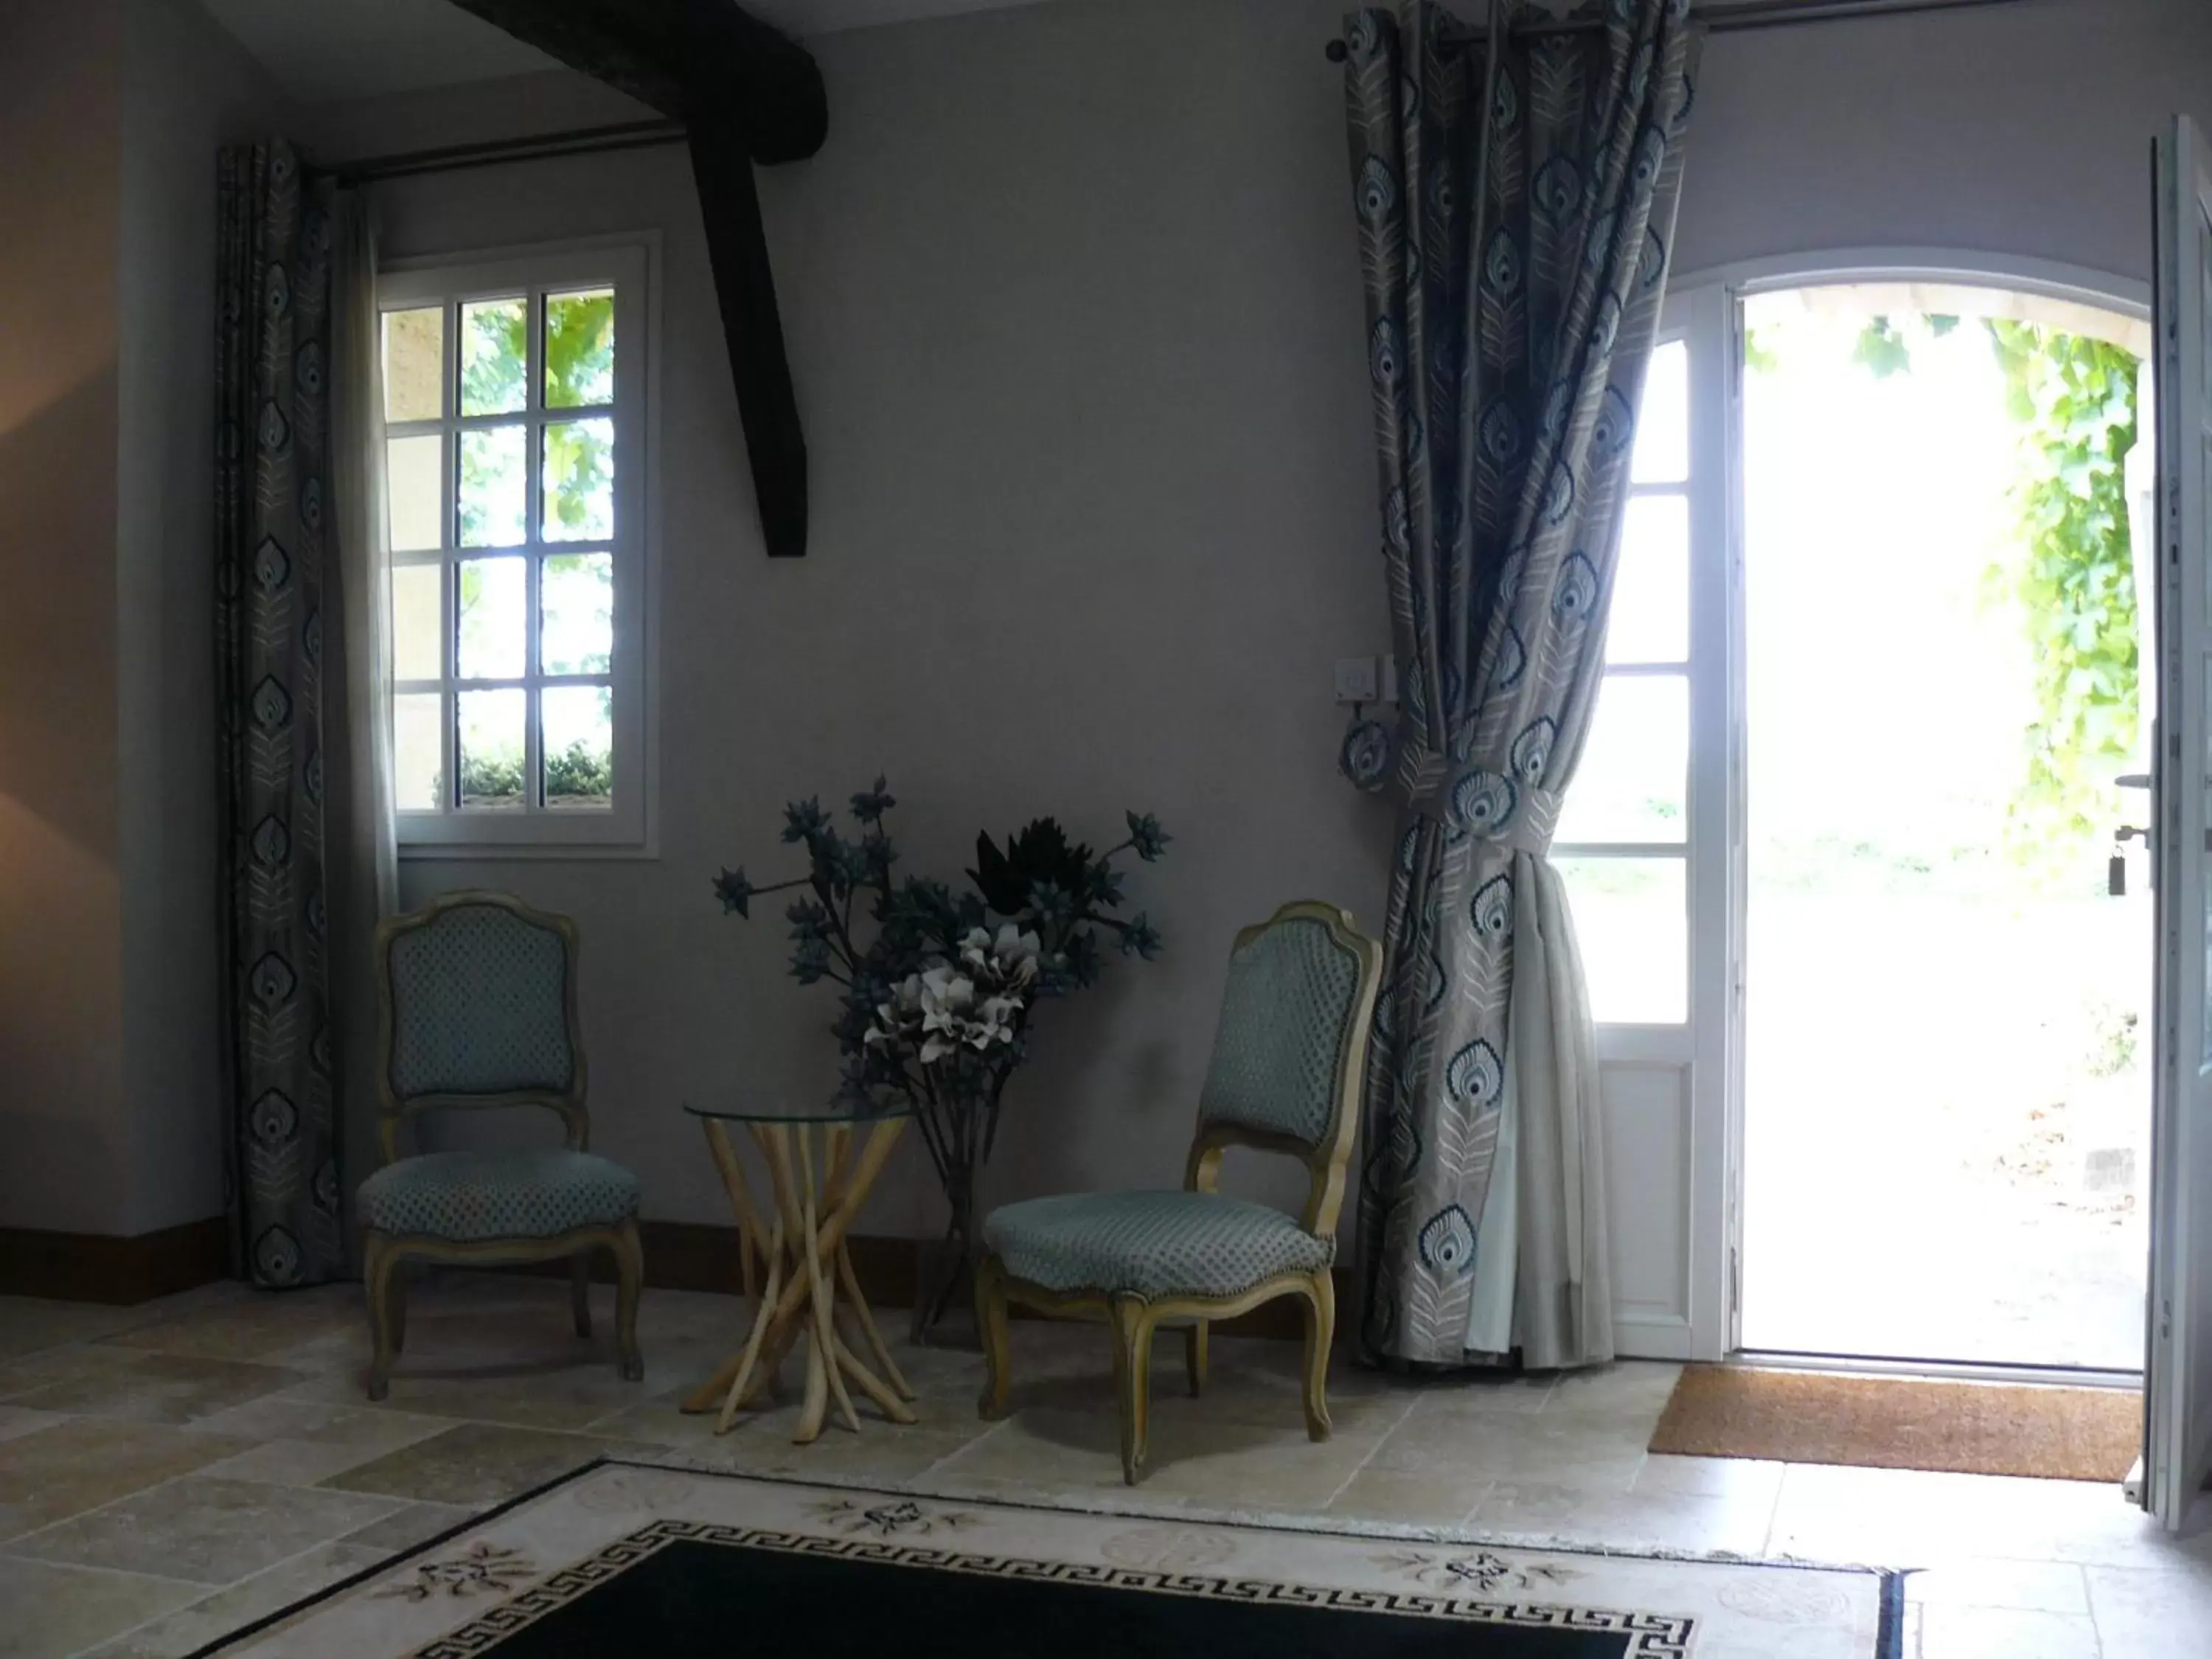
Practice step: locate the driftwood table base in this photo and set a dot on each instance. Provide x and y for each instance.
(798, 1273)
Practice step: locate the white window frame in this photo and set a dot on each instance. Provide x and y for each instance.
(630, 267)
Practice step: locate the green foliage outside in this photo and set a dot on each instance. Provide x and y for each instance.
(2072, 398)
(578, 479)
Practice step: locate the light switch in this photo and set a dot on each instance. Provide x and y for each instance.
(1355, 679)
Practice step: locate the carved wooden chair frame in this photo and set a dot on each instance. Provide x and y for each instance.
(384, 1253)
(1134, 1319)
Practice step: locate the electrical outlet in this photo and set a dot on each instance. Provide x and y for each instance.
(1356, 680)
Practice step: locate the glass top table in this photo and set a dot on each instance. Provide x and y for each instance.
(779, 1109)
(793, 1257)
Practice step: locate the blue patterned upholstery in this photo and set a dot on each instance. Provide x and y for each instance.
(479, 1005)
(467, 1197)
(1285, 1018)
(1150, 1245)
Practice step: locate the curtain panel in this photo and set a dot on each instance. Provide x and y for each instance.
(273, 513)
(1515, 195)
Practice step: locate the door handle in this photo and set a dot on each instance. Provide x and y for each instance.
(2133, 781)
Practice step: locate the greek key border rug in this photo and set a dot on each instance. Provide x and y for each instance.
(663, 1563)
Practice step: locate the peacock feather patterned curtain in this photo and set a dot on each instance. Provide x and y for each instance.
(272, 503)
(1515, 192)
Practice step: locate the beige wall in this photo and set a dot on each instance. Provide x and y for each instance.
(1074, 307)
(62, 1120)
(110, 112)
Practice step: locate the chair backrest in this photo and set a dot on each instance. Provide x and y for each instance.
(1291, 1049)
(476, 995)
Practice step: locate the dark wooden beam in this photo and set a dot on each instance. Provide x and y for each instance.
(746, 95)
(683, 58)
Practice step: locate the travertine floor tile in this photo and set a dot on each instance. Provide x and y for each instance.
(477, 1463)
(161, 1388)
(190, 1628)
(60, 1472)
(211, 1531)
(54, 1610)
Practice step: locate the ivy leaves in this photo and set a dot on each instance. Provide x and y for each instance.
(2075, 400)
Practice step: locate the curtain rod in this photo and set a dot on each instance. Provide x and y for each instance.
(1752, 15)
(544, 146)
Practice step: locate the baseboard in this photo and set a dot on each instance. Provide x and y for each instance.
(110, 1269)
(688, 1255)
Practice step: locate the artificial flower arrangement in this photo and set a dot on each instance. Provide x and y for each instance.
(936, 1003)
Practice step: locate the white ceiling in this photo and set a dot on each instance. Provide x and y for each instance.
(325, 49)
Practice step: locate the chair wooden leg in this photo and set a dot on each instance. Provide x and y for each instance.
(395, 1302)
(1194, 1355)
(1133, 1377)
(1320, 1332)
(378, 1261)
(579, 1291)
(630, 1279)
(991, 1326)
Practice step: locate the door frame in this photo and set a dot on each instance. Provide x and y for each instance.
(1705, 307)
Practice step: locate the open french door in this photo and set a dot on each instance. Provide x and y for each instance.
(2178, 1372)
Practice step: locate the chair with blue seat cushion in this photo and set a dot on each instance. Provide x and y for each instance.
(1288, 1055)
(477, 1007)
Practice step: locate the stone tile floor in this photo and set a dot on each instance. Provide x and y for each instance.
(171, 1472)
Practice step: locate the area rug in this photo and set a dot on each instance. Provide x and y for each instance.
(656, 1562)
(1902, 1423)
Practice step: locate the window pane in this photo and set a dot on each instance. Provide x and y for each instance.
(414, 364)
(580, 349)
(491, 748)
(1634, 775)
(579, 480)
(579, 741)
(418, 622)
(494, 617)
(418, 751)
(414, 491)
(1662, 424)
(1650, 618)
(493, 374)
(1632, 921)
(492, 486)
(576, 591)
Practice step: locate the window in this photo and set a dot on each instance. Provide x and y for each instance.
(514, 436)
(1622, 841)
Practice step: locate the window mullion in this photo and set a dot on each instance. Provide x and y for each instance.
(533, 404)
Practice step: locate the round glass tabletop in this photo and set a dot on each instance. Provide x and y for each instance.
(781, 1109)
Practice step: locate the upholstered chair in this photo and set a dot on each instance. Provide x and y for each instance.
(476, 999)
(1288, 1055)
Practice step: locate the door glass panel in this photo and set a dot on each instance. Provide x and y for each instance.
(1632, 923)
(578, 745)
(418, 751)
(415, 492)
(492, 486)
(494, 620)
(415, 364)
(1649, 620)
(491, 743)
(580, 349)
(494, 373)
(1632, 784)
(1662, 421)
(579, 481)
(577, 595)
(418, 620)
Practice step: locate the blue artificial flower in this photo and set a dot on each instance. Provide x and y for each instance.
(869, 805)
(735, 892)
(1105, 886)
(1146, 836)
(1140, 938)
(808, 919)
(802, 820)
(1052, 904)
(874, 859)
(810, 960)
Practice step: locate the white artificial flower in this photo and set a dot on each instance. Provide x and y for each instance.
(1017, 953)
